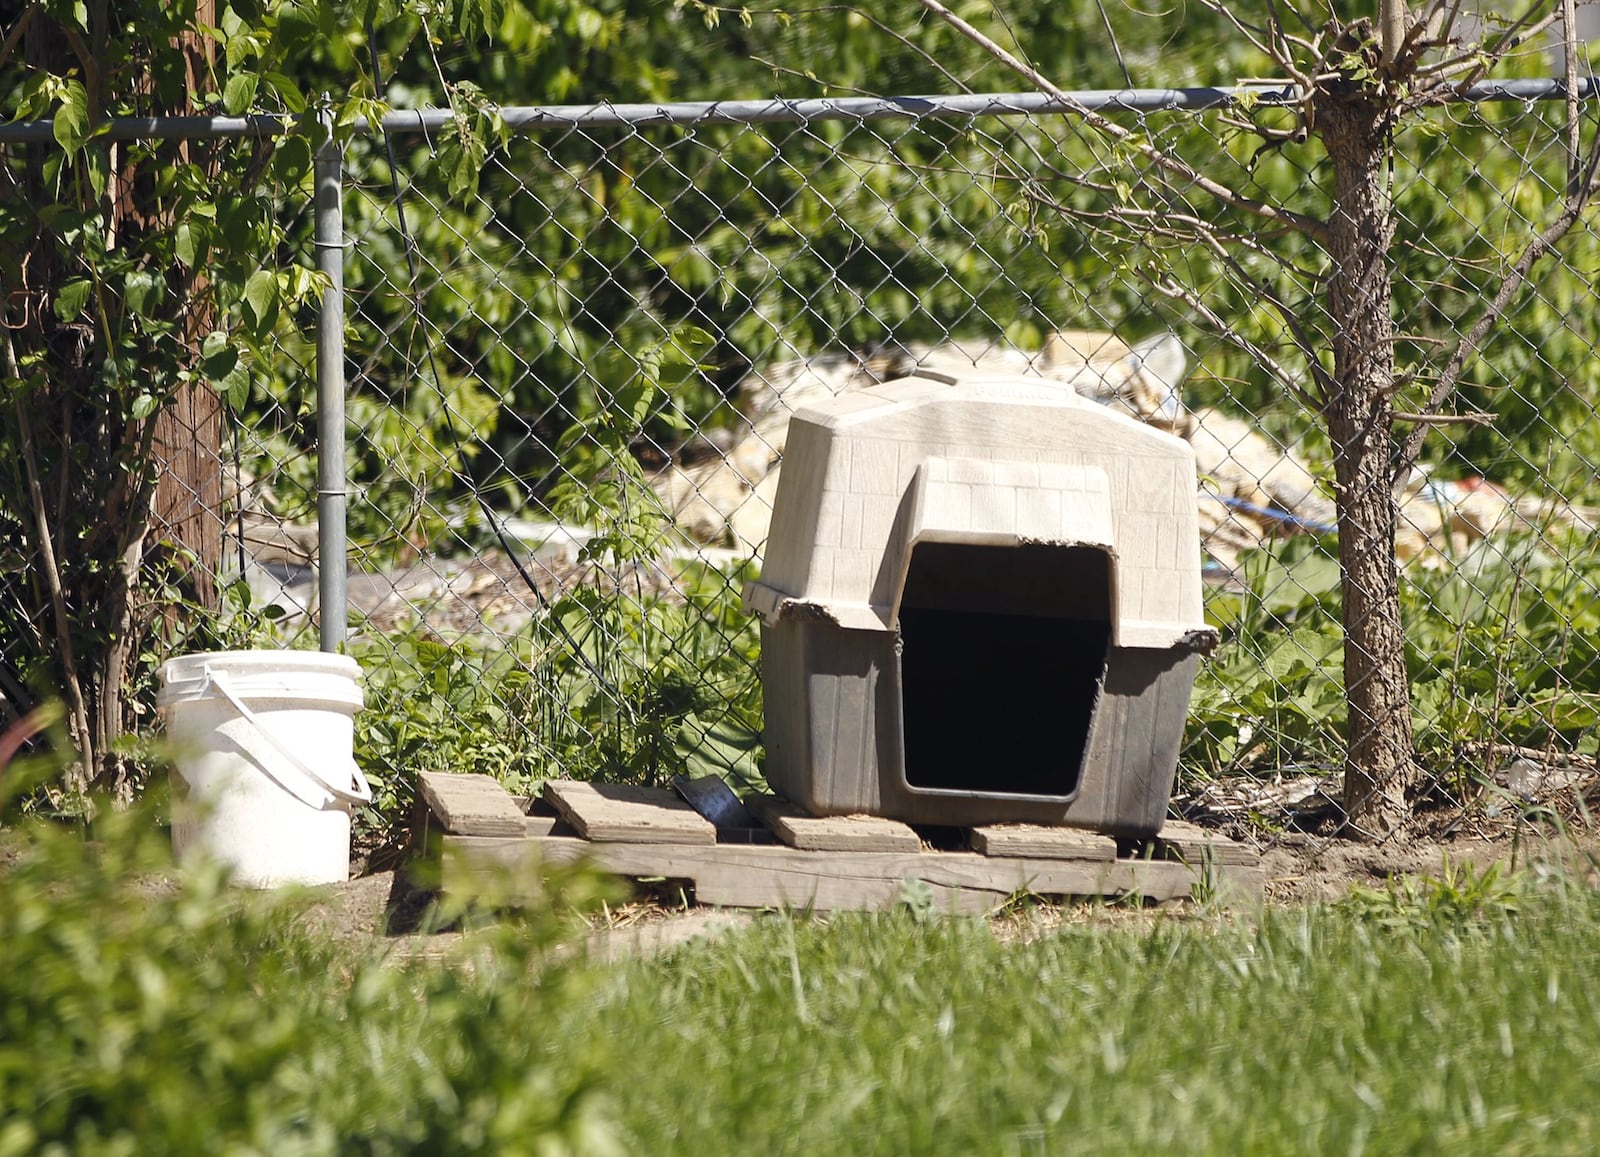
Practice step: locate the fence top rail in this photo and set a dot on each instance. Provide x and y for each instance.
(534, 118)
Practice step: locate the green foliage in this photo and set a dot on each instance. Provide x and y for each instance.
(634, 686)
(433, 706)
(1503, 645)
(640, 690)
(1470, 1029)
(133, 274)
(1273, 694)
(141, 1015)
(1499, 647)
(1459, 895)
(578, 254)
(589, 296)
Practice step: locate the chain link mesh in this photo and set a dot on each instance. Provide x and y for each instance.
(570, 372)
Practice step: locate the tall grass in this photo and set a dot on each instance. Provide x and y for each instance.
(1393, 1025)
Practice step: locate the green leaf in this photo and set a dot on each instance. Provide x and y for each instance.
(684, 352)
(288, 91)
(71, 299)
(97, 165)
(240, 93)
(261, 300)
(218, 357)
(142, 290)
(633, 402)
(234, 386)
(183, 245)
(143, 406)
(71, 124)
(292, 159)
(224, 368)
(588, 23)
(463, 153)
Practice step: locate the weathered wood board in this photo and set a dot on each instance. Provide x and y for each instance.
(1031, 840)
(471, 805)
(848, 863)
(615, 813)
(1193, 844)
(797, 829)
(774, 876)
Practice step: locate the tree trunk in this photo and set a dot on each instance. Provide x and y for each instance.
(1353, 123)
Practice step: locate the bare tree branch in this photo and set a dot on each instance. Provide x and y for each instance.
(1307, 225)
(1477, 418)
(1509, 287)
(1487, 56)
(18, 30)
(84, 735)
(1269, 45)
(1172, 289)
(1392, 21)
(1569, 53)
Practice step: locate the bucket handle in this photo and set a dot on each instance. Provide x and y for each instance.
(362, 790)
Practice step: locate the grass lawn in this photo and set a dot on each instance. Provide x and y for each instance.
(1452, 1020)
(1456, 1016)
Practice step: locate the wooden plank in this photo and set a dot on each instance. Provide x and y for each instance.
(744, 876)
(832, 833)
(471, 805)
(1193, 844)
(1045, 843)
(617, 812)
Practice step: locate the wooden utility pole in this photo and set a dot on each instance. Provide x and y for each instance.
(187, 513)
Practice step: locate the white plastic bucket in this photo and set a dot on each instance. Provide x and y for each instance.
(262, 745)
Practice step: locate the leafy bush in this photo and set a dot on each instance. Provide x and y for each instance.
(140, 1017)
(640, 691)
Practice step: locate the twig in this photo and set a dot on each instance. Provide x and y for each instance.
(1170, 288)
(1154, 223)
(1513, 282)
(69, 666)
(1569, 50)
(1307, 225)
(14, 737)
(1477, 418)
(1270, 45)
(14, 37)
(1513, 37)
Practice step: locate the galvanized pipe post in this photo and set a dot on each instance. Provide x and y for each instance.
(332, 498)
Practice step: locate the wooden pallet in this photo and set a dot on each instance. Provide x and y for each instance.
(801, 861)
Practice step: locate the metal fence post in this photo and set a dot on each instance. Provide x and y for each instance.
(332, 498)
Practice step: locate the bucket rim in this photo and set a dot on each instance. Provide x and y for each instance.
(323, 662)
(263, 654)
(263, 674)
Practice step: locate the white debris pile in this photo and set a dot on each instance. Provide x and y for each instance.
(1252, 487)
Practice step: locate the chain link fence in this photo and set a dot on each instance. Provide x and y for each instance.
(573, 337)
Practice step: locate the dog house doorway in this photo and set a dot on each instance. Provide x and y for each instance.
(1003, 652)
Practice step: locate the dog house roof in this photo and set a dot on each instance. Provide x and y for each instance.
(1000, 461)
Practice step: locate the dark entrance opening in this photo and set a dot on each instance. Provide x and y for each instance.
(1002, 656)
